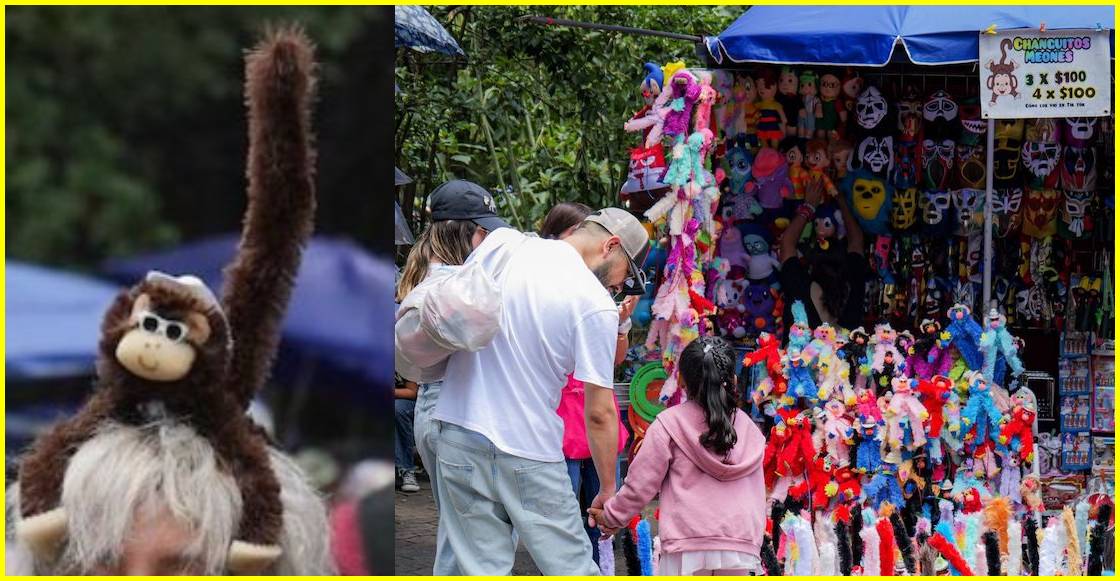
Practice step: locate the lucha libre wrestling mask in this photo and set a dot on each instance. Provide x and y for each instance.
(871, 108)
(1040, 159)
(936, 208)
(969, 204)
(1040, 213)
(970, 166)
(940, 106)
(973, 127)
(1005, 163)
(1007, 218)
(1076, 222)
(904, 213)
(910, 113)
(1079, 169)
(1079, 131)
(875, 154)
(869, 197)
(1044, 130)
(937, 163)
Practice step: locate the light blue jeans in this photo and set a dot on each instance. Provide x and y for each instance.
(486, 495)
(426, 433)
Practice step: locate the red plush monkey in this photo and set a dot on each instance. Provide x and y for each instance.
(769, 353)
(935, 392)
(1021, 426)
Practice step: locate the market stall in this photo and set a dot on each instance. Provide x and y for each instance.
(970, 407)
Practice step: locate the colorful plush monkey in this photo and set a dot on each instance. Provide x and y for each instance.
(980, 417)
(1018, 430)
(905, 407)
(855, 351)
(838, 433)
(769, 354)
(994, 341)
(929, 358)
(964, 334)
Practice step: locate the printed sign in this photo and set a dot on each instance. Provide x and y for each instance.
(1026, 73)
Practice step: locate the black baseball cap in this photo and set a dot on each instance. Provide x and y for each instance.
(463, 200)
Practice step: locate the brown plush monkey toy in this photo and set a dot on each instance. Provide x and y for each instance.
(170, 349)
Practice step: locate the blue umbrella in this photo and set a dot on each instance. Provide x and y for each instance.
(342, 305)
(53, 321)
(418, 30)
(868, 35)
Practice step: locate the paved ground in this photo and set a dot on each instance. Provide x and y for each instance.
(416, 521)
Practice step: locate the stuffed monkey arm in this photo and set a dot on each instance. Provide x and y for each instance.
(279, 86)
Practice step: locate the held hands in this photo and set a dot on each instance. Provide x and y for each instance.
(595, 514)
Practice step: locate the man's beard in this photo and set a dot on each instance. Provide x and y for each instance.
(602, 271)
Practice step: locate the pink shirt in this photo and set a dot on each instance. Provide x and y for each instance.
(571, 410)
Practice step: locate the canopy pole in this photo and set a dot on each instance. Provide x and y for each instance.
(609, 27)
(988, 218)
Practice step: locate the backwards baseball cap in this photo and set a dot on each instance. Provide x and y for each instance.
(635, 243)
(463, 200)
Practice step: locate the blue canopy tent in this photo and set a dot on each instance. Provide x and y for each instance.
(418, 30)
(841, 35)
(341, 310)
(869, 35)
(53, 321)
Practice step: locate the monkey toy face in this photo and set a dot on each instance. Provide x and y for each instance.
(166, 330)
(158, 348)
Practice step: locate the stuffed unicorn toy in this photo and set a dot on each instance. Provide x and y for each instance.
(964, 334)
(996, 340)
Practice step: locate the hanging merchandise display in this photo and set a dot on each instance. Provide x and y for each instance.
(938, 433)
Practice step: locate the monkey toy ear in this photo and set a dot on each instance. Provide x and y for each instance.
(43, 533)
(199, 332)
(141, 304)
(250, 558)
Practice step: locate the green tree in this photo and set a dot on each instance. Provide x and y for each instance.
(126, 125)
(536, 111)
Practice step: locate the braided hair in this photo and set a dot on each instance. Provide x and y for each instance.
(707, 368)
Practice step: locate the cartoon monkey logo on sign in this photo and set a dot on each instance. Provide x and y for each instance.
(1001, 78)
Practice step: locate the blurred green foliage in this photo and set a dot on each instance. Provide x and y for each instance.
(536, 110)
(126, 125)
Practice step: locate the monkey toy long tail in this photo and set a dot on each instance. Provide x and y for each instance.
(279, 88)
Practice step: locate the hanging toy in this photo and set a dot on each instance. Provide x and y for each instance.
(831, 111)
(651, 120)
(906, 410)
(840, 157)
(964, 334)
(935, 394)
(886, 361)
(788, 97)
(980, 412)
(996, 340)
(854, 352)
(794, 151)
(771, 183)
(769, 354)
(744, 122)
(832, 380)
(828, 225)
(817, 159)
(761, 263)
(871, 425)
(837, 434)
(729, 294)
(763, 309)
(869, 197)
(1018, 431)
(810, 103)
(801, 382)
(685, 93)
(771, 115)
(928, 358)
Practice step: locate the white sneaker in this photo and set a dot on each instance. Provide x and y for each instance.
(408, 482)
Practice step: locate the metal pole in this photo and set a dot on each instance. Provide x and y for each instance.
(988, 219)
(610, 27)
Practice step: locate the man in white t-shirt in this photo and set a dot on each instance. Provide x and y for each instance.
(499, 449)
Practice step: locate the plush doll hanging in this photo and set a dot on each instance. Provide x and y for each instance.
(728, 299)
(771, 115)
(871, 426)
(651, 89)
(907, 416)
(1017, 433)
(790, 100)
(769, 354)
(869, 197)
(1078, 170)
(771, 183)
(652, 122)
(1076, 219)
(996, 340)
(837, 434)
(793, 150)
(763, 309)
(832, 380)
(1041, 212)
(810, 102)
(818, 162)
(828, 226)
(685, 91)
(929, 358)
(171, 349)
(884, 350)
(723, 81)
(743, 96)
(831, 115)
(1007, 219)
(647, 168)
(935, 394)
(980, 416)
(964, 334)
(840, 158)
(761, 262)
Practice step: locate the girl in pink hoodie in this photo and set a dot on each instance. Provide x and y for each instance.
(703, 459)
